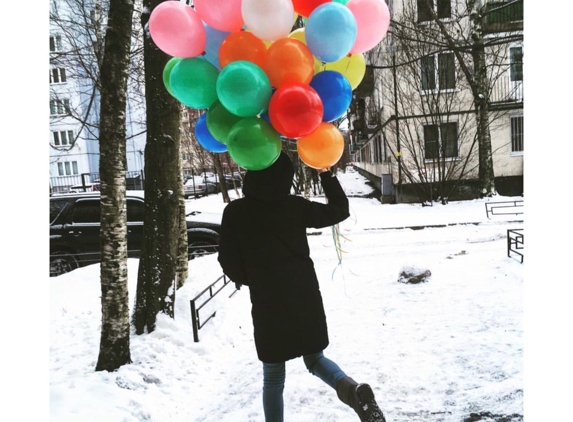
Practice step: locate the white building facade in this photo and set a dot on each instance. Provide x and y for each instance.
(77, 29)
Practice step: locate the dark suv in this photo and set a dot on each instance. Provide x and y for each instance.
(75, 230)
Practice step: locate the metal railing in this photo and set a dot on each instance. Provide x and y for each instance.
(503, 11)
(503, 208)
(506, 91)
(87, 182)
(515, 243)
(195, 317)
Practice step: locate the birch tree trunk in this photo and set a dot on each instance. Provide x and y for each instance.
(160, 266)
(114, 344)
(481, 99)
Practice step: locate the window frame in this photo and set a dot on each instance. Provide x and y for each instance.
(435, 4)
(58, 139)
(437, 74)
(67, 168)
(58, 73)
(513, 65)
(59, 107)
(439, 142)
(57, 43)
(512, 135)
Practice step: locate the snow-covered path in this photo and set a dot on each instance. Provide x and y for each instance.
(438, 351)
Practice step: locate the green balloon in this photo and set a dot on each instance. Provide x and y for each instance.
(254, 144)
(220, 121)
(244, 88)
(193, 82)
(343, 2)
(167, 72)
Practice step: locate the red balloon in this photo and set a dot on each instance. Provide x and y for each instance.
(305, 7)
(295, 110)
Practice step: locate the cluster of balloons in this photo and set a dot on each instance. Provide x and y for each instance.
(258, 80)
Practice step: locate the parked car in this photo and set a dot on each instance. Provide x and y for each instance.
(229, 179)
(197, 186)
(75, 230)
(209, 177)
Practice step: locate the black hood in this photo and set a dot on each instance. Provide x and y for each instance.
(272, 183)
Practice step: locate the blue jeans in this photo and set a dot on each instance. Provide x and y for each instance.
(274, 382)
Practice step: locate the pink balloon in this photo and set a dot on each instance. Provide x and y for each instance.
(177, 30)
(223, 15)
(372, 22)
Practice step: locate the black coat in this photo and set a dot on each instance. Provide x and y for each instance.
(264, 245)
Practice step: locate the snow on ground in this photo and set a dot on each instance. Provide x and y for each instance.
(436, 351)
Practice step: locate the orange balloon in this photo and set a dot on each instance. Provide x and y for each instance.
(322, 148)
(242, 45)
(289, 60)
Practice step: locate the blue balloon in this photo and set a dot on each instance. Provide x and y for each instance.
(335, 92)
(331, 31)
(204, 137)
(214, 40)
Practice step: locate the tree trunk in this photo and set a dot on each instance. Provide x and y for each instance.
(221, 176)
(114, 343)
(159, 265)
(486, 176)
(183, 247)
(481, 98)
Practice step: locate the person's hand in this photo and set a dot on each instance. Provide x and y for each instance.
(322, 170)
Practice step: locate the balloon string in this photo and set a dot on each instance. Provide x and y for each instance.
(347, 66)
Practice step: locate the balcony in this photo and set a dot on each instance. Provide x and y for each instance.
(503, 16)
(506, 91)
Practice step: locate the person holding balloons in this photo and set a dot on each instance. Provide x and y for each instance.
(264, 246)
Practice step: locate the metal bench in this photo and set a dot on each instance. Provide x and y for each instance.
(515, 243)
(503, 208)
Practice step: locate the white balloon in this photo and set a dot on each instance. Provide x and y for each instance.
(268, 20)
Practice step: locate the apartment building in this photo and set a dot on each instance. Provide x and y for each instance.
(76, 44)
(448, 75)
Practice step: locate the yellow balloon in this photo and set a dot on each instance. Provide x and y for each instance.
(298, 34)
(353, 67)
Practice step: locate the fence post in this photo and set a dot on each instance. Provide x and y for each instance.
(194, 322)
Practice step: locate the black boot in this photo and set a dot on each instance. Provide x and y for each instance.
(361, 398)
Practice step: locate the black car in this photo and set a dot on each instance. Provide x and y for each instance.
(75, 230)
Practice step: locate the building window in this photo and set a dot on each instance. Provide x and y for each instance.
(441, 8)
(67, 168)
(441, 141)
(516, 64)
(63, 138)
(438, 72)
(55, 43)
(59, 107)
(516, 133)
(57, 76)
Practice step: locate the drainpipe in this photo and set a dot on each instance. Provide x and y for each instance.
(398, 145)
